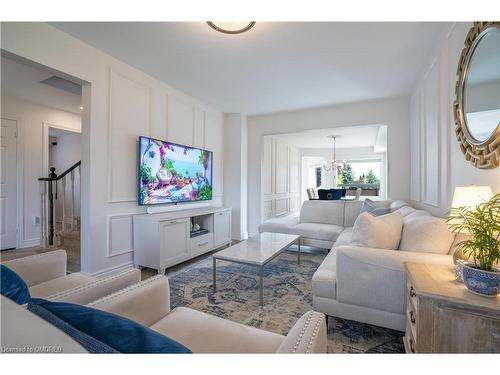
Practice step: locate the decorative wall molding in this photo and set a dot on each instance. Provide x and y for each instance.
(123, 159)
(280, 177)
(432, 136)
(119, 238)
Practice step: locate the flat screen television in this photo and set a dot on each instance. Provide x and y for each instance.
(173, 173)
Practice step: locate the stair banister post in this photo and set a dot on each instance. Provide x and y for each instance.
(72, 176)
(43, 220)
(63, 183)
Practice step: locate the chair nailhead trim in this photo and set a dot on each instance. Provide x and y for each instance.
(126, 290)
(90, 285)
(315, 331)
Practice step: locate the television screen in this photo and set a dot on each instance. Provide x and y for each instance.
(171, 173)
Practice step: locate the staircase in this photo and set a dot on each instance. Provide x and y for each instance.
(64, 234)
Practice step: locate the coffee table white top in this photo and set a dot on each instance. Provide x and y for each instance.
(257, 250)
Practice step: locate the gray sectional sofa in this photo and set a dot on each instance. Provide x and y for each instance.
(361, 283)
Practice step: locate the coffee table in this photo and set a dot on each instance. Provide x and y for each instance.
(257, 251)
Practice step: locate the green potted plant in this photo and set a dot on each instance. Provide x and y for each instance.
(481, 274)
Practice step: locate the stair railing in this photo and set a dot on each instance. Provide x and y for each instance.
(48, 198)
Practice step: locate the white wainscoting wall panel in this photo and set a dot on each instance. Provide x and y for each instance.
(180, 122)
(431, 136)
(129, 117)
(280, 177)
(437, 164)
(120, 235)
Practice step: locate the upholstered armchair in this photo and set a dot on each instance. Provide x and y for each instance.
(46, 277)
(148, 303)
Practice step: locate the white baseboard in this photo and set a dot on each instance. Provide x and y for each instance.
(112, 270)
(30, 242)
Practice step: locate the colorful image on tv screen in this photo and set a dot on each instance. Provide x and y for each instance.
(170, 173)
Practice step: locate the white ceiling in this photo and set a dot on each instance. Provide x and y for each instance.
(23, 81)
(275, 66)
(349, 137)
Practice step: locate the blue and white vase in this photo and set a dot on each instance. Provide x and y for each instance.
(484, 283)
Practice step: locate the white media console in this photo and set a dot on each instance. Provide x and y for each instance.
(162, 240)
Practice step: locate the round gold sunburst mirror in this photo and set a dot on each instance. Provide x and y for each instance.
(477, 102)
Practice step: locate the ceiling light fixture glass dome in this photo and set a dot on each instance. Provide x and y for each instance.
(231, 27)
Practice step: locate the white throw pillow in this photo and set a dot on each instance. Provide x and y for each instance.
(382, 232)
(426, 234)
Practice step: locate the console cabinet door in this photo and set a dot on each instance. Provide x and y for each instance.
(174, 241)
(222, 228)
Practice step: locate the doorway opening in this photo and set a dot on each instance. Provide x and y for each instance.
(43, 108)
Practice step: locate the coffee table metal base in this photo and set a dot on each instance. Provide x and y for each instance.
(261, 272)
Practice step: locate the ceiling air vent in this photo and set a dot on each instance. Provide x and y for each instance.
(63, 84)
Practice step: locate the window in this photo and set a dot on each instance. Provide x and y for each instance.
(318, 176)
(365, 174)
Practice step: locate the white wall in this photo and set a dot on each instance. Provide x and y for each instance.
(31, 120)
(66, 153)
(280, 173)
(120, 103)
(437, 163)
(235, 172)
(393, 112)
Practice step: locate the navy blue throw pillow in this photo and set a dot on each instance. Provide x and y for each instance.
(102, 332)
(13, 287)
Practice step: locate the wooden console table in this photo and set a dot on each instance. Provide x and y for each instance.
(442, 316)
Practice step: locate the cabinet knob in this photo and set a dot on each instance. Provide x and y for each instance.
(412, 292)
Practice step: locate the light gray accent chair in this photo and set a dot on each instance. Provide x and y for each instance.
(368, 284)
(148, 303)
(46, 277)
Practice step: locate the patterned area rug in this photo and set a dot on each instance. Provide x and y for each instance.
(287, 295)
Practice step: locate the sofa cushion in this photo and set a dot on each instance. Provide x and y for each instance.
(60, 284)
(415, 213)
(283, 224)
(324, 279)
(204, 333)
(26, 330)
(102, 332)
(344, 238)
(383, 232)
(396, 205)
(426, 234)
(324, 212)
(325, 232)
(13, 287)
(374, 210)
(351, 212)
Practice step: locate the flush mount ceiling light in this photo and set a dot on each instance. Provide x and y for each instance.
(231, 27)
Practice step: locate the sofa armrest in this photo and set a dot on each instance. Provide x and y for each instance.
(38, 268)
(376, 278)
(92, 291)
(145, 302)
(308, 335)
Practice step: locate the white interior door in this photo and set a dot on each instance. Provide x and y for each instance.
(8, 184)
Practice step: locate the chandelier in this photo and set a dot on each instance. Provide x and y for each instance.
(231, 27)
(334, 164)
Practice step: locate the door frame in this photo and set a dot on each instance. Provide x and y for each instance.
(45, 142)
(19, 180)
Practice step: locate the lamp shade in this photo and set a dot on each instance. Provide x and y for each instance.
(471, 196)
